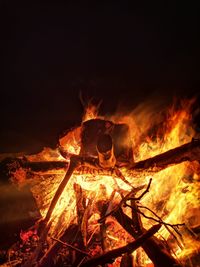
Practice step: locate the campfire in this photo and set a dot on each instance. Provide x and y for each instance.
(119, 190)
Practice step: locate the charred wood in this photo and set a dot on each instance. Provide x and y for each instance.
(158, 255)
(110, 256)
(136, 218)
(187, 152)
(127, 260)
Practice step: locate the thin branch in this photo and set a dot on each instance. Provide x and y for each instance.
(124, 199)
(70, 246)
(141, 196)
(167, 225)
(159, 220)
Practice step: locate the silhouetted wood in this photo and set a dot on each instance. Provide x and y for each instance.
(136, 218)
(158, 255)
(127, 260)
(110, 256)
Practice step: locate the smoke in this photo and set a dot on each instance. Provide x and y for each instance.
(142, 118)
(16, 205)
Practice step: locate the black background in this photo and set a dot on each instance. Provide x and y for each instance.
(121, 54)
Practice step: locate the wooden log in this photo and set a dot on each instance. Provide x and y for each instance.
(110, 256)
(186, 152)
(73, 164)
(159, 256)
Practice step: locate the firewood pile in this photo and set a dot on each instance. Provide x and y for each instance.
(100, 206)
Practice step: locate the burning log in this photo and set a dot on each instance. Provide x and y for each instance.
(158, 255)
(186, 152)
(110, 256)
(73, 164)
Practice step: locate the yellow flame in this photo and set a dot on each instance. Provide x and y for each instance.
(174, 193)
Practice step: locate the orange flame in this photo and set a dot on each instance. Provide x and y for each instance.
(174, 193)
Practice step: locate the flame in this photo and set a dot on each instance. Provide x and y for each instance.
(91, 111)
(173, 195)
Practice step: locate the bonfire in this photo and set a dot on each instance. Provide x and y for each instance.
(120, 190)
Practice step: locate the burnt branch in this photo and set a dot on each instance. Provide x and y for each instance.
(110, 256)
(75, 161)
(141, 196)
(159, 220)
(158, 255)
(127, 197)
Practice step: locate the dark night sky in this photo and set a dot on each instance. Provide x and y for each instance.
(120, 54)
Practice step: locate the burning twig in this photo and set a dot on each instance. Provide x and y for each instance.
(141, 196)
(127, 197)
(110, 256)
(159, 220)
